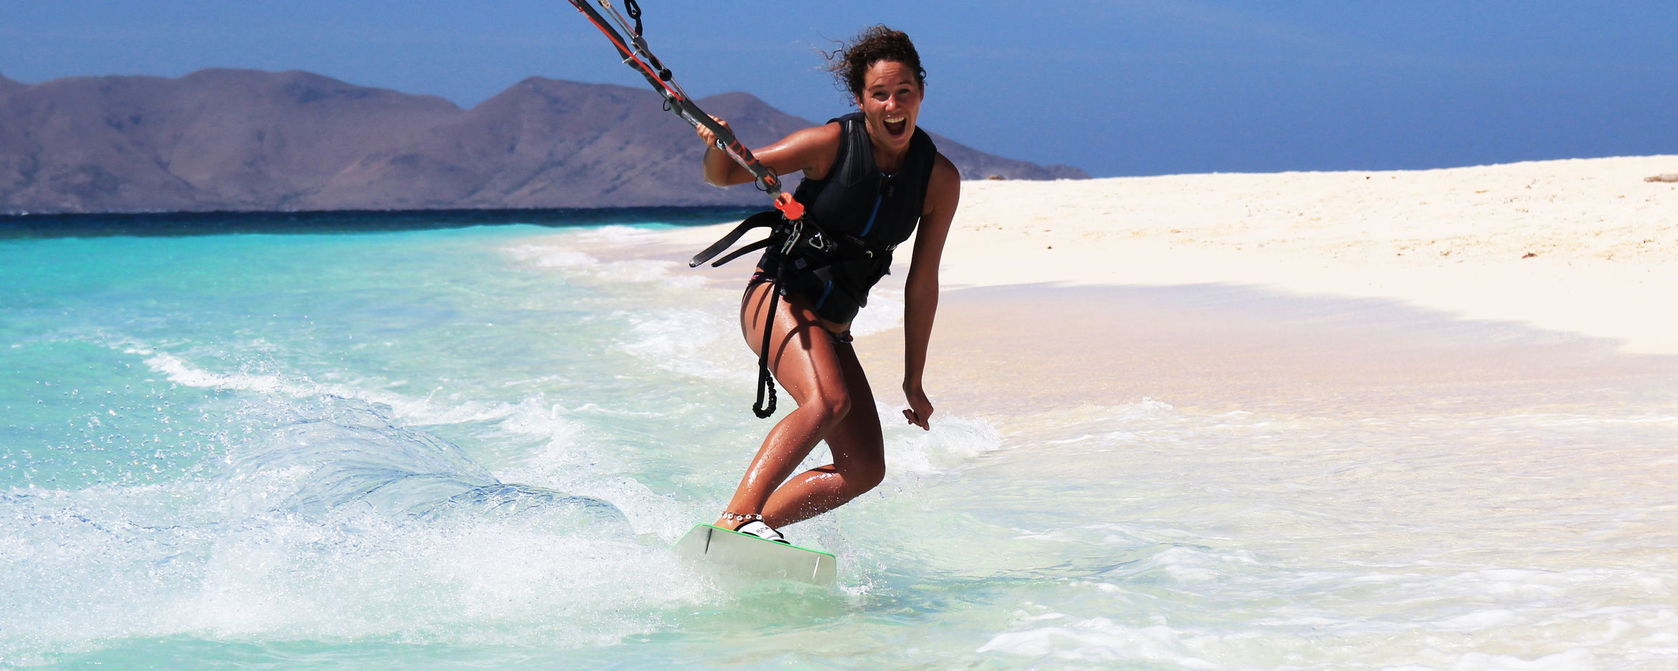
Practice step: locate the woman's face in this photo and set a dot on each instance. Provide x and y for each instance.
(890, 101)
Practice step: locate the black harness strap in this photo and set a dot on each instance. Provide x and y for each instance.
(766, 219)
(765, 379)
(761, 244)
(764, 406)
(787, 235)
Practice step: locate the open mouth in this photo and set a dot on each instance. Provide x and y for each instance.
(896, 126)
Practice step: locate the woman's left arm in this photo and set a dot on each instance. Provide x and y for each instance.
(920, 301)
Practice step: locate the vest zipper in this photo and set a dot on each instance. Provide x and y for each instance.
(879, 197)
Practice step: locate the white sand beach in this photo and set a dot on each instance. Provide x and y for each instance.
(1582, 246)
(1113, 290)
(1585, 246)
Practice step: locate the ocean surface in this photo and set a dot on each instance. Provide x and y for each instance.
(364, 442)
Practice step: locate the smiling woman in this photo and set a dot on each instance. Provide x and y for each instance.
(870, 179)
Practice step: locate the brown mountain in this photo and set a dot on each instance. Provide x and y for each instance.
(242, 140)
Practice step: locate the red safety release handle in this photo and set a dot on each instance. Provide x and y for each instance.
(789, 207)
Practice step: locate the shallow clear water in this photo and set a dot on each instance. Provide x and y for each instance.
(472, 447)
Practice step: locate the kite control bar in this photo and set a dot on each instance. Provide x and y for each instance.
(635, 54)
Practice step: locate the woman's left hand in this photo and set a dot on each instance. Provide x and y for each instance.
(919, 407)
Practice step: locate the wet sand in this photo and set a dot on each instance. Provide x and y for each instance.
(1021, 350)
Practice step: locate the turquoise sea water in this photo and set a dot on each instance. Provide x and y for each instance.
(449, 446)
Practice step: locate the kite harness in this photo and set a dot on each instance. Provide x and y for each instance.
(788, 226)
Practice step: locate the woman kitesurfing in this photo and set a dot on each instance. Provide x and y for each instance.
(872, 179)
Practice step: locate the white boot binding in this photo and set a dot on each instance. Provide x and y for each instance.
(752, 525)
(763, 531)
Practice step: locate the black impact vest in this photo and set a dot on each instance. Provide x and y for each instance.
(869, 211)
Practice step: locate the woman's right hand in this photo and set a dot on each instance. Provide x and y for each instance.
(720, 170)
(709, 137)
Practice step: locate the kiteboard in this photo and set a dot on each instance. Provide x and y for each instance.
(745, 553)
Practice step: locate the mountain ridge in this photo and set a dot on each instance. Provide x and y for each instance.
(247, 140)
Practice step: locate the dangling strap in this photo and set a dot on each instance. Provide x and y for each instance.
(790, 236)
(765, 380)
(764, 406)
(787, 233)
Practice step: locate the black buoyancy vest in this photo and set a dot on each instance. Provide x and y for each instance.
(870, 210)
(857, 199)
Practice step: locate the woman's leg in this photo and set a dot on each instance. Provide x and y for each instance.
(805, 361)
(858, 457)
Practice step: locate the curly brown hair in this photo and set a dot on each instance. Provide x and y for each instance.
(877, 43)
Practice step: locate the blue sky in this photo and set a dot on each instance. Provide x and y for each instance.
(1116, 87)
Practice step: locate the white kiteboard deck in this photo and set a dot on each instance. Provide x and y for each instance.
(747, 553)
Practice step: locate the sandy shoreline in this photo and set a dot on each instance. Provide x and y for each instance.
(1358, 291)
(1581, 246)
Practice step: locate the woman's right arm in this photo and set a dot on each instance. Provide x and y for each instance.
(811, 151)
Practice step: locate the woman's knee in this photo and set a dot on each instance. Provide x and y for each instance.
(833, 407)
(862, 465)
(865, 477)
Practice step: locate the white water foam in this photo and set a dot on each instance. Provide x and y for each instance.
(954, 443)
(688, 341)
(561, 254)
(530, 416)
(477, 582)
